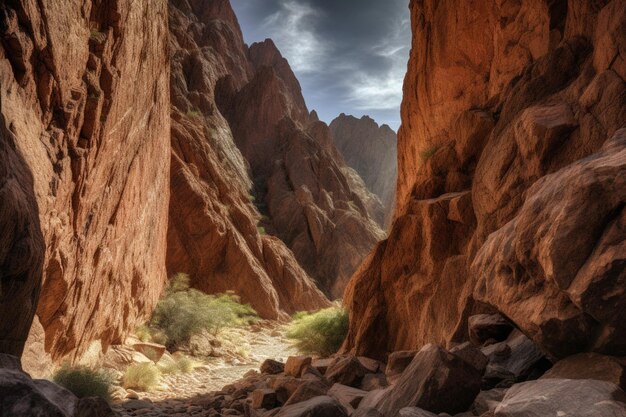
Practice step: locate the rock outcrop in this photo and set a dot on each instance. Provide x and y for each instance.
(372, 151)
(511, 181)
(84, 169)
(312, 201)
(213, 234)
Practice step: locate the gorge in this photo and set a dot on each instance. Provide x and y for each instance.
(483, 246)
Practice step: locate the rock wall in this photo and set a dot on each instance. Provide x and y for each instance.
(84, 169)
(309, 197)
(213, 234)
(510, 191)
(372, 151)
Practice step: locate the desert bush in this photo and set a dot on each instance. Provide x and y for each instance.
(429, 153)
(85, 382)
(320, 333)
(185, 312)
(141, 376)
(180, 365)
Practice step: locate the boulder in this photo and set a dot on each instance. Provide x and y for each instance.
(373, 381)
(397, 363)
(152, 351)
(482, 327)
(284, 386)
(94, 407)
(563, 397)
(20, 396)
(264, 398)
(415, 412)
(347, 371)
(487, 401)
(272, 367)
(322, 406)
(308, 390)
(590, 366)
(436, 381)
(347, 396)
(366, 412)
(513, 360)
(322, 364)
(121, 357)
(296, 364)
(472, 355)
(372, 365)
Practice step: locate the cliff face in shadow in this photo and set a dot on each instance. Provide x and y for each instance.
(84, 175)
(511, 181)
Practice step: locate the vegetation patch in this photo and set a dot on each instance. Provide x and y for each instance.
(141, 376)
(195, 114)
(180, 365)
(320, 333)
(185, 312)
(426, 154)
(261, 230)
(85, 382)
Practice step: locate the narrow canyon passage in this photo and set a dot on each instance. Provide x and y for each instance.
(192, 394)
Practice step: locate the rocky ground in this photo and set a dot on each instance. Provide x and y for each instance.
(242, 351)
(499, 373)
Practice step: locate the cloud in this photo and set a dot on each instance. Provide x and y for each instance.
(292, 27)
(382, 90)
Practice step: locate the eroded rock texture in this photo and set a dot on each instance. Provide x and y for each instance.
(213, 234)
(84, 169)
(511, 181)
(310, 199)
(372, 151)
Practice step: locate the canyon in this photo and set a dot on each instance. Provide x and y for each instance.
(139, 140)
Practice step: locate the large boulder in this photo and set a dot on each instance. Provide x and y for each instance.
(563, 397)
(590, 366)
(321, 406)
(436, 381)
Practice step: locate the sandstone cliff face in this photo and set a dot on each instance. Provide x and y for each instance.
(312, 201)
(84, 169)
(372, 151)
(213, 234)
(510, 190)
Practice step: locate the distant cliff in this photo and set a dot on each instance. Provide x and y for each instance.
(372, 151)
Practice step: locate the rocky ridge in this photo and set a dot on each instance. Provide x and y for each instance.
(213, 234)
(510, 190)
(371, 150)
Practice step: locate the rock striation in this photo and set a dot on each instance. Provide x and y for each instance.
(511, 181)
(213, 234)
(372, 151)
(84, 170)
(312, 200)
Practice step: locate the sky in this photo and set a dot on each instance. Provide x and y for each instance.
(350, 56)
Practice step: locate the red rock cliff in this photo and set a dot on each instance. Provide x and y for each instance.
(84, 169)
(511, 192)
(312, 200)
(213, 234)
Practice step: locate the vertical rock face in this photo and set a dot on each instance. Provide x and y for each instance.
(310, 199)
(84, 169)
(510, 194)
(372, 151)
(213, 234)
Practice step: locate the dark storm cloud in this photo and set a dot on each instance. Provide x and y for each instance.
(349, 55)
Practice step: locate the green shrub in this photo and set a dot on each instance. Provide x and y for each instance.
(320, 333)
(181, 365)
(195, 114)
(429, 153)
(141, 376)
(84, 381)
(261, 230)
(185, 312)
